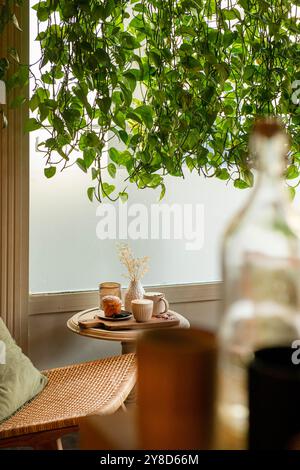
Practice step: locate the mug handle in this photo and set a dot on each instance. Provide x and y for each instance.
(166, 304)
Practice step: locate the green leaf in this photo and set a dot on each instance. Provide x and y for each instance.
(129, 42)
(114, 154)
(223, 70)
(58, 124)
(32, 125)
(50, 143)
(102, 57)
(19, 78)
(50, 171)
(123, 136)
(47, 78)
(112, 170)
(99, 12)
(249, 72)
(33, 103)
(81, 164)
(23, 75)
(228, 110)
(239, 183)
(123, 196)
(248, 177)
(107, 189)
(43, 13)
(152, 180)
(43, 96)
(163, 192)
(120, 158)
(90, 193)
(191, 63)
(232, 14)
(91, 140)
(17, 101)
(43, 112)
(109, 8)
(292, 192)
(229, 38)
(127, 94)
(105, 104)
(95, 173)
(119, 119)
(134, 117)
(145, 112)
(89, 155)
(190, 163)
(222, 174)
(130, 80)
(292, 172)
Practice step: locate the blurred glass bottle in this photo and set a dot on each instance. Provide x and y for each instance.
(261, 273)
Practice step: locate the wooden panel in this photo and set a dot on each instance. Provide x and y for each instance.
(14, 199)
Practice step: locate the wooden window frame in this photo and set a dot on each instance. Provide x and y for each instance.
(76, 301)
(14, 197)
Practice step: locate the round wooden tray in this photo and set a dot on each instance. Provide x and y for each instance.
(127, 336)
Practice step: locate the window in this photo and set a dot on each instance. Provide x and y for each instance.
(66, 253)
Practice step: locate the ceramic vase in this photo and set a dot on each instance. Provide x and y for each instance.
(134, 291)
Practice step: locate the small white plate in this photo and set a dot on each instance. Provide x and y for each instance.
(103, 317)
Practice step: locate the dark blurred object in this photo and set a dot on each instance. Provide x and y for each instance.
(274, 393)
(176, 389)
(108, 432)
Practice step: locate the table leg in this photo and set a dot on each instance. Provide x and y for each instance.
(126, 349)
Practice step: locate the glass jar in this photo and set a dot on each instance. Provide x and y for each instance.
(109, 288)
(261, 273)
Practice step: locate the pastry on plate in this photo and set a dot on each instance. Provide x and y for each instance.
(111, 305)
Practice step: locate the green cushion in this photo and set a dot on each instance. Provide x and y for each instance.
(20, 381)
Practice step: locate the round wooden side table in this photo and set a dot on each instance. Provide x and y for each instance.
(127, 338)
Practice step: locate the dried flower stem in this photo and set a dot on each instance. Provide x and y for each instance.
(136, 267)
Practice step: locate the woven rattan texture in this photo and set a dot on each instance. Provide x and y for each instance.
(75, 391)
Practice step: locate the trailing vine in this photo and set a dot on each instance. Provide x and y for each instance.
(173, 82)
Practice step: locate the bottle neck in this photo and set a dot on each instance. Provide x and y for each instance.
(270, 154)
(271, 188)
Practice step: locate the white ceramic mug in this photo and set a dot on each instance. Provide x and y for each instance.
(160, 304)
(142, 309)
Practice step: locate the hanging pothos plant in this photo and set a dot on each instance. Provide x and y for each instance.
(177, 82)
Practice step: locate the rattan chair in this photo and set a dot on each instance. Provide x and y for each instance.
(72, 392)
